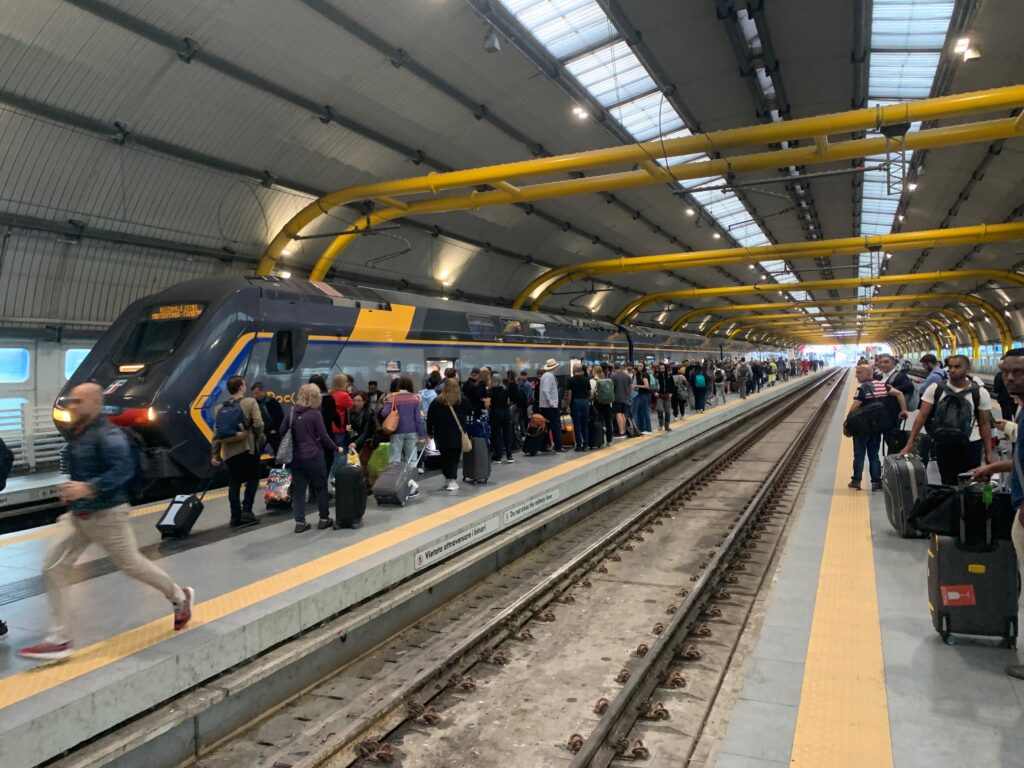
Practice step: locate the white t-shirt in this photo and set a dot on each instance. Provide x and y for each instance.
(984, 402)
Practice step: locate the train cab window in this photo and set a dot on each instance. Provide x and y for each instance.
(282, 353)
(158, 334)
(14, 365)
(539, 332)
(512, 330)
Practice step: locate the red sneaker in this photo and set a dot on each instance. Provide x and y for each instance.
(47, 651)
(183, 611)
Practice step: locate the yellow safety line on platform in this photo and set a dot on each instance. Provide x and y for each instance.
(843, 720)
(22, 685)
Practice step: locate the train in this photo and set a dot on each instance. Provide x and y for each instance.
(164, 363)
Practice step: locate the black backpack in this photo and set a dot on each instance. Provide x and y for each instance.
(6, 462)
(872, 417)
(952, 415)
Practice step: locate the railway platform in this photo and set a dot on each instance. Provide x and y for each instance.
(847, 669)
(256, 588)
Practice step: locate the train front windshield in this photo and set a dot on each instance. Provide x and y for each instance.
(157, 334)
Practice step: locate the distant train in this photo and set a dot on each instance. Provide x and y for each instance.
(165, 361)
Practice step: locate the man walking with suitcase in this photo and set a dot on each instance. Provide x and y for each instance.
(102, 467)
(1013, 378)
(869, 392)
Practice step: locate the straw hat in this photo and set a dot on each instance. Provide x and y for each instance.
(551, 364)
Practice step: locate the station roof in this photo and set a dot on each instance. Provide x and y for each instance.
(146, 142)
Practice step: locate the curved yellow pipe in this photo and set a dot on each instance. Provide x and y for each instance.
(993, 314)
(501, 176)
(844, 246)
(634, 306)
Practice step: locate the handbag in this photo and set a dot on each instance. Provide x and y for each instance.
(390, 424)
(285, 451)
(467, 444)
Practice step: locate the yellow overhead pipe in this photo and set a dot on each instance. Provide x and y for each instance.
(806, 329)
(554, 279)
(1008, 276)
(993, 314)
(500, 177)
(926, 312)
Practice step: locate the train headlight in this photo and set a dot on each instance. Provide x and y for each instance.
(61, 415)
(151, 414)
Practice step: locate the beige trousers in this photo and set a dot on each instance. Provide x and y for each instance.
(111, 531)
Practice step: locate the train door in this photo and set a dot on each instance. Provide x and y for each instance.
(434, 363)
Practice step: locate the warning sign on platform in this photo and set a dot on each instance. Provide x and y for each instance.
(530, 506)
(455, 542)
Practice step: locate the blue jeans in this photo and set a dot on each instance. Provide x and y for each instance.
(581, 421)
(403, 445)
(869, 444)
(642, 412)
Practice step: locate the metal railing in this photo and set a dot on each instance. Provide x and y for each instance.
(30, 433)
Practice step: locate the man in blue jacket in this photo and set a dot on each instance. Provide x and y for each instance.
(102, 467)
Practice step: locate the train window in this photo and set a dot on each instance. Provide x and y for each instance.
(511, 330)
(282, 353)
(10, 413)
(72, 359)
(14, 365)
(481, 327)
(539, 332)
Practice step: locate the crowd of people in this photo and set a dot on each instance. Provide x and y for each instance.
(342, 424)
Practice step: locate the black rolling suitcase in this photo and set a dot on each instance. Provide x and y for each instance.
(631, 430)
(181, 514)
(349, 495)
(476, 464)
(596, 429)
(973, 585)
(904, 484)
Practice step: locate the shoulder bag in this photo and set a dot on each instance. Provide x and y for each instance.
(467, 443)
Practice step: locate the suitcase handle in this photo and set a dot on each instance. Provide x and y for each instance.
(206, 482)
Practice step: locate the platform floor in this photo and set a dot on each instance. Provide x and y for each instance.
(255, 587)
(847, 670)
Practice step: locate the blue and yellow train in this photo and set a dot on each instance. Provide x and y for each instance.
(165, 361)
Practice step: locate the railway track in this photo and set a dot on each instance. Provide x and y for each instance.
(608, 641)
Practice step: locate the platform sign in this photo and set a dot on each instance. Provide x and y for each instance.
(393, 366)
(530, 506)
(454, 542)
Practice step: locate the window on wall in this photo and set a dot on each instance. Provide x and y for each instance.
(14, 365)
(72, 359)
(10, 413)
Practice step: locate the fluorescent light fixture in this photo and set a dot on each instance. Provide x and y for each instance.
(962, 45)
(284, 274)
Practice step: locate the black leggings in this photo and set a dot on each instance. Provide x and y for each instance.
(501, 434)
(450, 462)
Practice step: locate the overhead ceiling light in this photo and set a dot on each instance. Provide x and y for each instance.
(900, 217)
(492, 43)
(971, 54)
(750, 266)
(912, 186)
(285, 275)
(962, 45)
(716, 236)
(888, 255)
(690, 212)
(286, 252)
(580, 113)
(444, 298)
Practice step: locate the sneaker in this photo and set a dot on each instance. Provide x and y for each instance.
(324, 523)
(510, 460)
(876, 485)
(248, 519)
(183, 610)
(855, 484)
(451, 485)
(46, 651)
(302, 527)
(668, 429)
(503, 461)
(420, 470)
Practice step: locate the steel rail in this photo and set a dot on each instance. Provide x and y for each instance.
(389, 713)
(598, 749)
